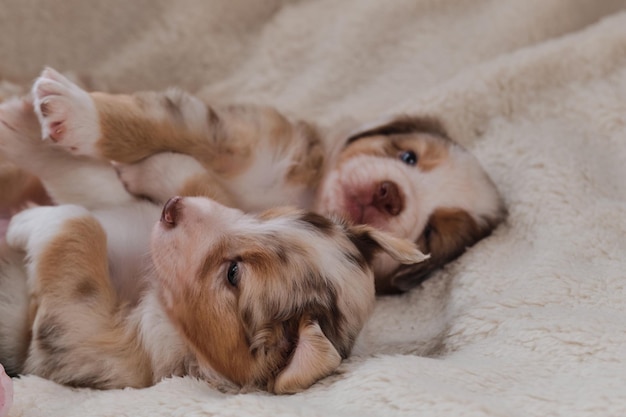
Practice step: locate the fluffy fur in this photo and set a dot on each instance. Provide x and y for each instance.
(403, 175)
(107, 290)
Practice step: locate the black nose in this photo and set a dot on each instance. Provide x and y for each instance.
(171, 211)
(387, 198)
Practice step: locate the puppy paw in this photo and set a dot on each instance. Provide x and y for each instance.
(145, 178)
(66, 112)
(132, 176)
(33, 228)
(159, 176)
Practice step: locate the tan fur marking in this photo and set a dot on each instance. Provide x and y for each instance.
(86, 289)
(212, 327)
(279, 211)
(129, 134)
(430, 150)
(68, 256)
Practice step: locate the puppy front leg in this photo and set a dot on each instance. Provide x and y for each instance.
(119, 127)
(129, 128)
(79, 334)
(254, 146)
(67, 178)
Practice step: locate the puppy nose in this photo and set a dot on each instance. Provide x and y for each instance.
(387, 198)
(171, 211)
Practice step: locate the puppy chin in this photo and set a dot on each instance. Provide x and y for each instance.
(163, 245)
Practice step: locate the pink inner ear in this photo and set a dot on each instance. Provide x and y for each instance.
(6, 393)
(315, 357)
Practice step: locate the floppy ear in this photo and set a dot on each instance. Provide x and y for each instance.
(314, 358)
(406, 277)
(447, 234)
(370, 241)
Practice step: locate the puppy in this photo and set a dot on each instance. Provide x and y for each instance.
(271, 301)
(404, 176)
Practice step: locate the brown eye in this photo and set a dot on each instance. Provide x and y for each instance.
(408, 157)
(232, 275)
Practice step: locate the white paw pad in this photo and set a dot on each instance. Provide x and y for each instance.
(67, 113)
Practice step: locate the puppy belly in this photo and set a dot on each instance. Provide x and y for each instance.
(128, 231)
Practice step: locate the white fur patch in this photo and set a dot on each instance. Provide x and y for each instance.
(128, 233)
(32, 228)
(263, 184)
(158, 335)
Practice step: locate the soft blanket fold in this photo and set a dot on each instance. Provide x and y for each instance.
(529, 322)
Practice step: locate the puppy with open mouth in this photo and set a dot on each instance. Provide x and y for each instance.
(404, 175)
(107, 290)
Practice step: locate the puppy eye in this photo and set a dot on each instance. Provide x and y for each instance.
(232, 275)
(408, 157)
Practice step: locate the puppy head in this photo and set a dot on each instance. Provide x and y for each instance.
(408, 178)
(273, 301)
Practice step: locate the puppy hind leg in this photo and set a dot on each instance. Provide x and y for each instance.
(31, 230)
(118, 127)
(84, 181)
(79, 337)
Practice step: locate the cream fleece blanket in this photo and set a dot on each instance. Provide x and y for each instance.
(529, 322)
